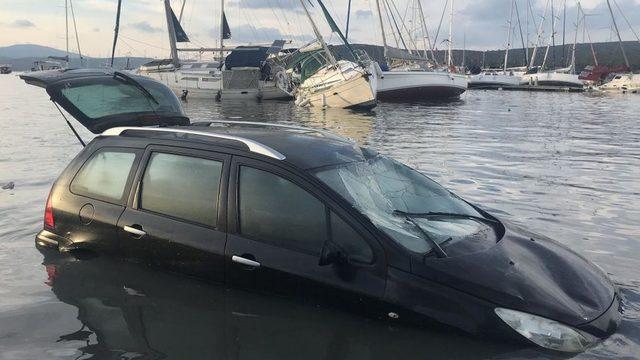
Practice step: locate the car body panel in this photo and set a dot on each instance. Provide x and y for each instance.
(294, 272)
(529, 273)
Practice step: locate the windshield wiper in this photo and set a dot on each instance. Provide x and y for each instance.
(133, 82)
(434, 244)
(445, 214)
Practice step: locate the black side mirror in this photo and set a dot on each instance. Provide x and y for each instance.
(332, 254)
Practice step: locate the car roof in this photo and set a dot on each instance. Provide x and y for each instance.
(303, 147)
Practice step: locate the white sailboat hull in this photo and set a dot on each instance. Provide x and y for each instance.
(555, 79)
(349, 86)
(201, 86)
(420, 85)
(493, 81)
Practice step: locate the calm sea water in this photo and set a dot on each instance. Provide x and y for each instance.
(565, 165)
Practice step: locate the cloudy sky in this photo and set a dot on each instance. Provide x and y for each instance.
(482, 24)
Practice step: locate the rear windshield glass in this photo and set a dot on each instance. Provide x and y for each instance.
(114, 96)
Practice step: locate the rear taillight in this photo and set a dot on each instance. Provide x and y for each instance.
(48, 214)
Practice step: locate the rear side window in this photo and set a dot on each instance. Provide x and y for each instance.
(275, 210)
(181, 186)
(104, 176)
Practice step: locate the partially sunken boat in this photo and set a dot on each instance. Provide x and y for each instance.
(328, 82)
(245, 73)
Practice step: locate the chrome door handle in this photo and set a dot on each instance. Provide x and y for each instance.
(244, 261)
(134, 231)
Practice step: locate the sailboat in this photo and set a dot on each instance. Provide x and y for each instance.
(622, 82)
(328, 82)
(540, 76)
(238, 75)
(61, 62)
(493, 78)
(408, 75)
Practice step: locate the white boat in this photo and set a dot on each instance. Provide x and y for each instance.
(210, 79)
(624, 83)
(409, 76)
(421, 85)
(552, 79)
(494, 80)
(337, 84)
(193, 80)
(346, 85)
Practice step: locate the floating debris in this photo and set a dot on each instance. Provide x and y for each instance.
(8, 186)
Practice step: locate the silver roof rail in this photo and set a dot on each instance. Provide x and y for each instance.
(253, 145)
(325, 133)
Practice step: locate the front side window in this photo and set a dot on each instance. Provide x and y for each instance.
(386, 191)
(104, 176)
(275, 210)
(350, 241)
(181, 186)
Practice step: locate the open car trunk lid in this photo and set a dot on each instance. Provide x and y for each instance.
(103, 98)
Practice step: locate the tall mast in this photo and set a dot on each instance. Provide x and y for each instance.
(450, 51)
(564, 29)
(586, 29)
(506, 53)
(332, 59)
(75, 29)
(538, 35)
(553, 34)
(172, 33)
(221, 30)
(425, 34)
(624, 54)
(384, 36)
(524, 47)
(66, 26)
(572, 66)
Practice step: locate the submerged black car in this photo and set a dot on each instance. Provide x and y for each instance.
(303, 212)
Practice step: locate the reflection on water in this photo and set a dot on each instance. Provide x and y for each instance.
(565, 165)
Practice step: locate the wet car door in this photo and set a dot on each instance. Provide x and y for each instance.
(278, 227)
(176, 214)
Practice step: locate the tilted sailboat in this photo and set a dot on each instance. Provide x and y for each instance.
(328, 82)
(496, 79)
(239, 75)
(540, 76)
(409, 75)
